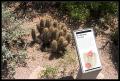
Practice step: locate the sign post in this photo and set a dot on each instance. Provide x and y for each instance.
(87, 51)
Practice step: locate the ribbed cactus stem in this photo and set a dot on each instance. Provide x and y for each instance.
(42, 23)
(65, 43)
(54, 46)
(69, 37)
(55, 24)
(64, 30)
(61, 33)
(54, 33)
(45, 36)
(62, 25)
(60, 40)
(48, 23)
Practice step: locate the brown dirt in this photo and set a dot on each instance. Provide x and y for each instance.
(108, 68)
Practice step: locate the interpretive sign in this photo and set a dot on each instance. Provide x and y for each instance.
(87, 52)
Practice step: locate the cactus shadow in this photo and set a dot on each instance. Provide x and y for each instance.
(32, 43)
(55, 55)
(67, 78)
(114, 55)
(45, 47)
(4, 70)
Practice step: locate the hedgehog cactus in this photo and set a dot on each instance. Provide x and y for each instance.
(48, 24)
(62, 25)
(51, 29)
(59, 27)
(55, 24)
(54, 46)
(64, 30)
(60, 40)
(65, 43)
(62, 44)
(42, 23)
(45, 30)
(61, 33)
(68, 37)
(45, 36)
(54, 34)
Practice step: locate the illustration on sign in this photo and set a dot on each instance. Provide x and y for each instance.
(87, 50)
(90, 59)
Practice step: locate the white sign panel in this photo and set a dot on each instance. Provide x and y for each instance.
(87, 50)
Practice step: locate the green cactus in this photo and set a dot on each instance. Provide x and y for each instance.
(57, 35)
(54, 46)
(45, 36)
(54, 34)
(51, 29)
(68, 37)
(42, 23)
(61, 33)
(62, 25)
(55, 24)
(65, 43)
(59, 27)
(60, 44)
(60, 40)
(45, 30)
(48, 23)
(64, 30)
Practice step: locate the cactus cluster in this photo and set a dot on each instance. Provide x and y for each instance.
(54, 35)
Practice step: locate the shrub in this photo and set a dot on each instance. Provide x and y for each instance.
(11, 34)
(76, 10)
(83, 10)
(100, 9)
(50, 72)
